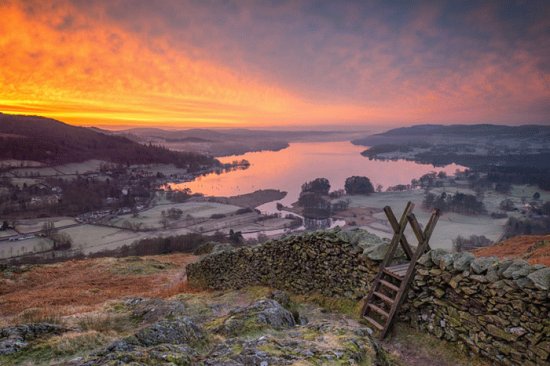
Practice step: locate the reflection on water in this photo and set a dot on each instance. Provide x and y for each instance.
(289, 168)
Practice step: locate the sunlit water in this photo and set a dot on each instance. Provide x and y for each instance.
(288, 169)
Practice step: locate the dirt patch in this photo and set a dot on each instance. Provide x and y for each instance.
(533, 248)
(76, 286)
(415, 348)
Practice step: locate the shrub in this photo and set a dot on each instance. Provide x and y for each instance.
(318, 185)
(516, 227)
(217, 216)
(244, 210)
(358, 185)
(474, 241)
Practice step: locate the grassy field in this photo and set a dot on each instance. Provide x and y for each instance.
(91, 238)
(369, 210)
(32, 225)
(10, 249)
(191, 210)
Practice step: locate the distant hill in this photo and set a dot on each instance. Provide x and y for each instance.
(53, 142)
(229, 141)
(434, 133)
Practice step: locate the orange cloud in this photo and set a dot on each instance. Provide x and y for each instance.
(96, 73)
(125, 63)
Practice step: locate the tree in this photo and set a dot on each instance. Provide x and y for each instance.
(61, 241)
(48, 228)
(174, 213)
(236, 237)
(429, 200)
(358, 185)
(318, 185)
(164, 220)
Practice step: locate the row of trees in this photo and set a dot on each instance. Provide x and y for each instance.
(458, 202)
(516, 226)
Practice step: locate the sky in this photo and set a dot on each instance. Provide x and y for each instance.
(206, 63)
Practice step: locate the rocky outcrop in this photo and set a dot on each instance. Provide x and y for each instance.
(497, 308)
(260, 333)
(14, 339)
(264, 313)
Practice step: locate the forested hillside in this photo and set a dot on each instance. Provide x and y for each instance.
(53, 142)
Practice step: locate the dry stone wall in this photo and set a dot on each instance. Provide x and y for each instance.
(334, 263)
(499, 309)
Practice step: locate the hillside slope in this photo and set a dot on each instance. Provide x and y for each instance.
(53, 142)
(434, 133)
(533, 248)
(139, 310)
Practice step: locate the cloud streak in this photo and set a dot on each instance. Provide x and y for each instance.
(194, 63)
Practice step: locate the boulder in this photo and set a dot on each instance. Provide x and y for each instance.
(462, 261)
(181, 330)
(541, 278)
(516, 269)
(483, 264)
(436, 255)
(261, 314)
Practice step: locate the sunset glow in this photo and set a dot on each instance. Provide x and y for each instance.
(179, 64)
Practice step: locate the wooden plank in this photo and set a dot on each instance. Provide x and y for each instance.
(374, 322)
(431, 226)
(417, 230)
(395, 226)
(379, 310)
(393, 274)
(400, 271)
(399, 266)
(389, 285)
(381, 296)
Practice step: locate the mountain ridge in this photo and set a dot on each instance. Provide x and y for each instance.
(53, 142)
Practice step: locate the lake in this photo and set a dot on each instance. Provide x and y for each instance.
(289, 168)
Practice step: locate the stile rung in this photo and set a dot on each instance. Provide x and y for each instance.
(374, 322)
(383, 297)
(379, 310)
(389, 285)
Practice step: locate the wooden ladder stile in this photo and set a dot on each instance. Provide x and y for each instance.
(402, 273)
(390, 253)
